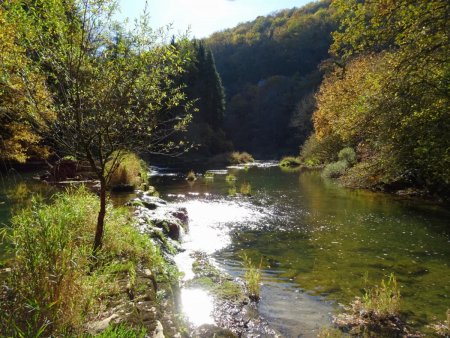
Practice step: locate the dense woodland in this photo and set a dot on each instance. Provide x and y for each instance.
(270, 70)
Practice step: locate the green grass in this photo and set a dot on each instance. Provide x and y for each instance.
(132, 171)
(383, 300)
(121, 331)
(55, 283)
(252, 277)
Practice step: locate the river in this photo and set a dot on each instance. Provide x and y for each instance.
(317, 242)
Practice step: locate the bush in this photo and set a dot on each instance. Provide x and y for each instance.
(290, 161)
(347, 154)
(335, 169)
(54, 284)
(241, 158)
(132, 171)
(320, 151)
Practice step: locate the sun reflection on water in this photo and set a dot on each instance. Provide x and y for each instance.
(198, 306)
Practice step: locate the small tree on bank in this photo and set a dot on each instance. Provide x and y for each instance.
(113, 91)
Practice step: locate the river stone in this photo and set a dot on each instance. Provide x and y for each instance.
(159, 331)
(208, 331)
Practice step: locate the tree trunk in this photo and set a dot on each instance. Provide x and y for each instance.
(101, 217)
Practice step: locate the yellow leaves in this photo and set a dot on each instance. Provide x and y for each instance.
(345, 98)
(21, 144)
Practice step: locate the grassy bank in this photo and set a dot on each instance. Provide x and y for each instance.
(55, 285)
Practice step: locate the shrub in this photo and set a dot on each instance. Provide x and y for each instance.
(54, 284)
(347, 154)
(241, 158)
(290, 161)
(252, 276)
(320, 151)
(131, 171)
(335, 169)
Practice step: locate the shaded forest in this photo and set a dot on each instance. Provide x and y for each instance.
(270, 70)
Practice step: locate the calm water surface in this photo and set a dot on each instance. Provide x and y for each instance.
(315, 240)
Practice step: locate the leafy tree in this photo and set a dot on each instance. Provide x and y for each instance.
(18, 141)
(113, 92)
(389, 95)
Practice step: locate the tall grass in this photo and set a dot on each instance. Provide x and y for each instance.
(241, 158)
(53, 286)
(252, 277)
(383, 300)
(131, 171)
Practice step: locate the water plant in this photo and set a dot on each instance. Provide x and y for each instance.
(209, 176)
(252, 277)
(232, 192)
(246, 189)
(230, 178)
(383, 300)
(191, 176)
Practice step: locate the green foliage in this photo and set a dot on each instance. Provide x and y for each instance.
(290, 161)
(209, 176)
(241, 157)
(54, 285)
(388, 95)
(252, 277)
(204, 86)
(383, 300)
(330, 333)
(348, 155)
(120, 331)
(230, 178)
(269, 68)
(232, 192)
(131, 170)
(246, 189)
(335, 169)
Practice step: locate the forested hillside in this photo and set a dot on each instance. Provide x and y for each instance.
(270, 71)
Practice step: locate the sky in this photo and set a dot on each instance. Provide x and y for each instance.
(203, 17)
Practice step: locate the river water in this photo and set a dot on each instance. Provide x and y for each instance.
(316, 242)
